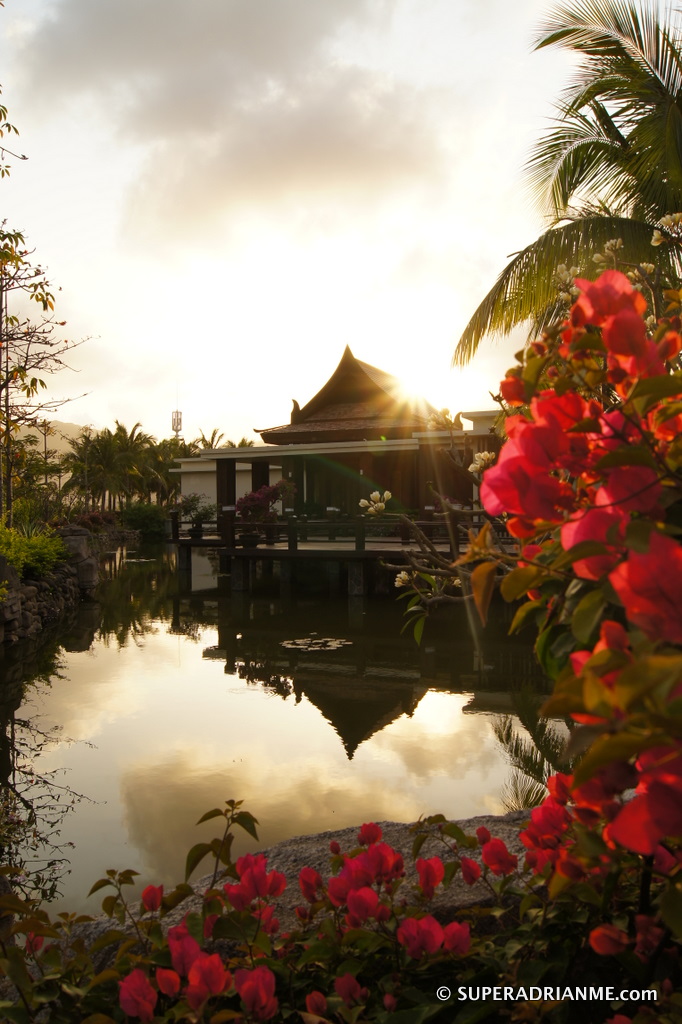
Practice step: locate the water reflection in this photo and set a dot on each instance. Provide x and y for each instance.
(318, 713)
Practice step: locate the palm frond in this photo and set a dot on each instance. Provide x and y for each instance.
(526, 289)
(520, 793)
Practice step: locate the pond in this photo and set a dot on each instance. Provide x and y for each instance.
(156, 705)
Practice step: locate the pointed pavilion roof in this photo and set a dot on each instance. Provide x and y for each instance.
(358, 402)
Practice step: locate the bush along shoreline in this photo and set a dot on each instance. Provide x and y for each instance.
(45, 575)
(586, 923)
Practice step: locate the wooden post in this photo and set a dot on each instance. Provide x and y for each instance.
(292, 534)
(360, 529)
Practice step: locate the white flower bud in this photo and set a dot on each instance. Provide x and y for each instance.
(374, 496)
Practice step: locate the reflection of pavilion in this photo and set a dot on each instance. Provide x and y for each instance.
(357, 707)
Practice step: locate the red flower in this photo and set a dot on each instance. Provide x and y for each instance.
(595, 524)
(368, 834)
(168, 981)
(649, 936)
(316, 1003)
(559, 787)
(350, 990)
(513, 390)
(257, 991)
(136, 995)
(604, 298)
(390, 1002)
(483, 835)
(431, 874)
(34, 943)
(310, 882)
(631, 489)
(207, 977)
(607, 940)
(334, 847)
(650, 588)
(183, 948)
(420, 935)
(152, 896)
(471, 870)
(457, 938)
(362, 903)
(498, 858)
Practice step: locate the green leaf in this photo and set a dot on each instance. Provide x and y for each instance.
(607, 749)
(634, 455)
(519, 581)
(417, 844)
(215, 813)
(109, 904)
(100, 884)
(108, 939)
(247, 822)
(658, 387)
(670, 905)
(195, 857)
(523, 613)
(587, 616)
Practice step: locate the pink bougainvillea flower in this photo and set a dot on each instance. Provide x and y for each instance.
(316, 1003)
(559, 786)
(607, 940)
(137, 996)
(183, 948)
(649, 586)
(350, 990)
(420, 936)
(606, 526)
(457, 938)
(152, 896)
(256, 989)
(498, 858)
(368, 834)
(207, 977)
(34, 943)
(471, 870)
(168, 981)
(630, 489)
(431, 873)
(310, 883)
(362, 903)
(604, 298)
(513, 390)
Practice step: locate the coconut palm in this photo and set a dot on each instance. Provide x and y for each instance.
(610, 168)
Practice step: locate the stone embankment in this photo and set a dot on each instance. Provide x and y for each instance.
(33, 604)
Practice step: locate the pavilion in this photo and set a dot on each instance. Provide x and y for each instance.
(358, 434)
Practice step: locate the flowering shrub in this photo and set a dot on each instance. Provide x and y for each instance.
(590, 481)
(258, 506)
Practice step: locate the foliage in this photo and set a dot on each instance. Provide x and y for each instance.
(610, 168)
(149, 519)
(31, 555)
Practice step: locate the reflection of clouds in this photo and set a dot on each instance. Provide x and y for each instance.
(440, 740)
(162, 802)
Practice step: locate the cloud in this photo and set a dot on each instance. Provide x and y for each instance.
(237, 104)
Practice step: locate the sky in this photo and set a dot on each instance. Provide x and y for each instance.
(229, 192)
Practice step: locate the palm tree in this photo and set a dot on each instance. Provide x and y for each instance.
(133, 449)
(611, 167)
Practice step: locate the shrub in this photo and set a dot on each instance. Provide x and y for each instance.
(149, 519)
(34, 555)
